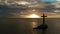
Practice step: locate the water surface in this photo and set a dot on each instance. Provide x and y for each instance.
(25, 26)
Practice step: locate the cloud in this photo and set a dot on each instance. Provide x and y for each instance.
(6, 11)
(13, 9)
(57, 0)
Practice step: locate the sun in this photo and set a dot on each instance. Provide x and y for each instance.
(33, 16)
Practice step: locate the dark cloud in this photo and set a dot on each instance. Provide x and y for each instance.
(6, 11)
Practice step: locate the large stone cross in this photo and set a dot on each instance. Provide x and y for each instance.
(43, 18)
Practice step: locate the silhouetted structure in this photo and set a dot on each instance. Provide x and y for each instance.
(43, 26)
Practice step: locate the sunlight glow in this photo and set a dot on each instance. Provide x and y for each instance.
(23, 2)
(33, 16)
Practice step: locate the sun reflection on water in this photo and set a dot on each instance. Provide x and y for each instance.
(34, 24)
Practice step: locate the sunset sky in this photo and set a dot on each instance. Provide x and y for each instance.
(16, 8)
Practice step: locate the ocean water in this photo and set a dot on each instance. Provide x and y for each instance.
(26, 25)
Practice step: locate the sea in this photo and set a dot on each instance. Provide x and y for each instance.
(27, 25)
